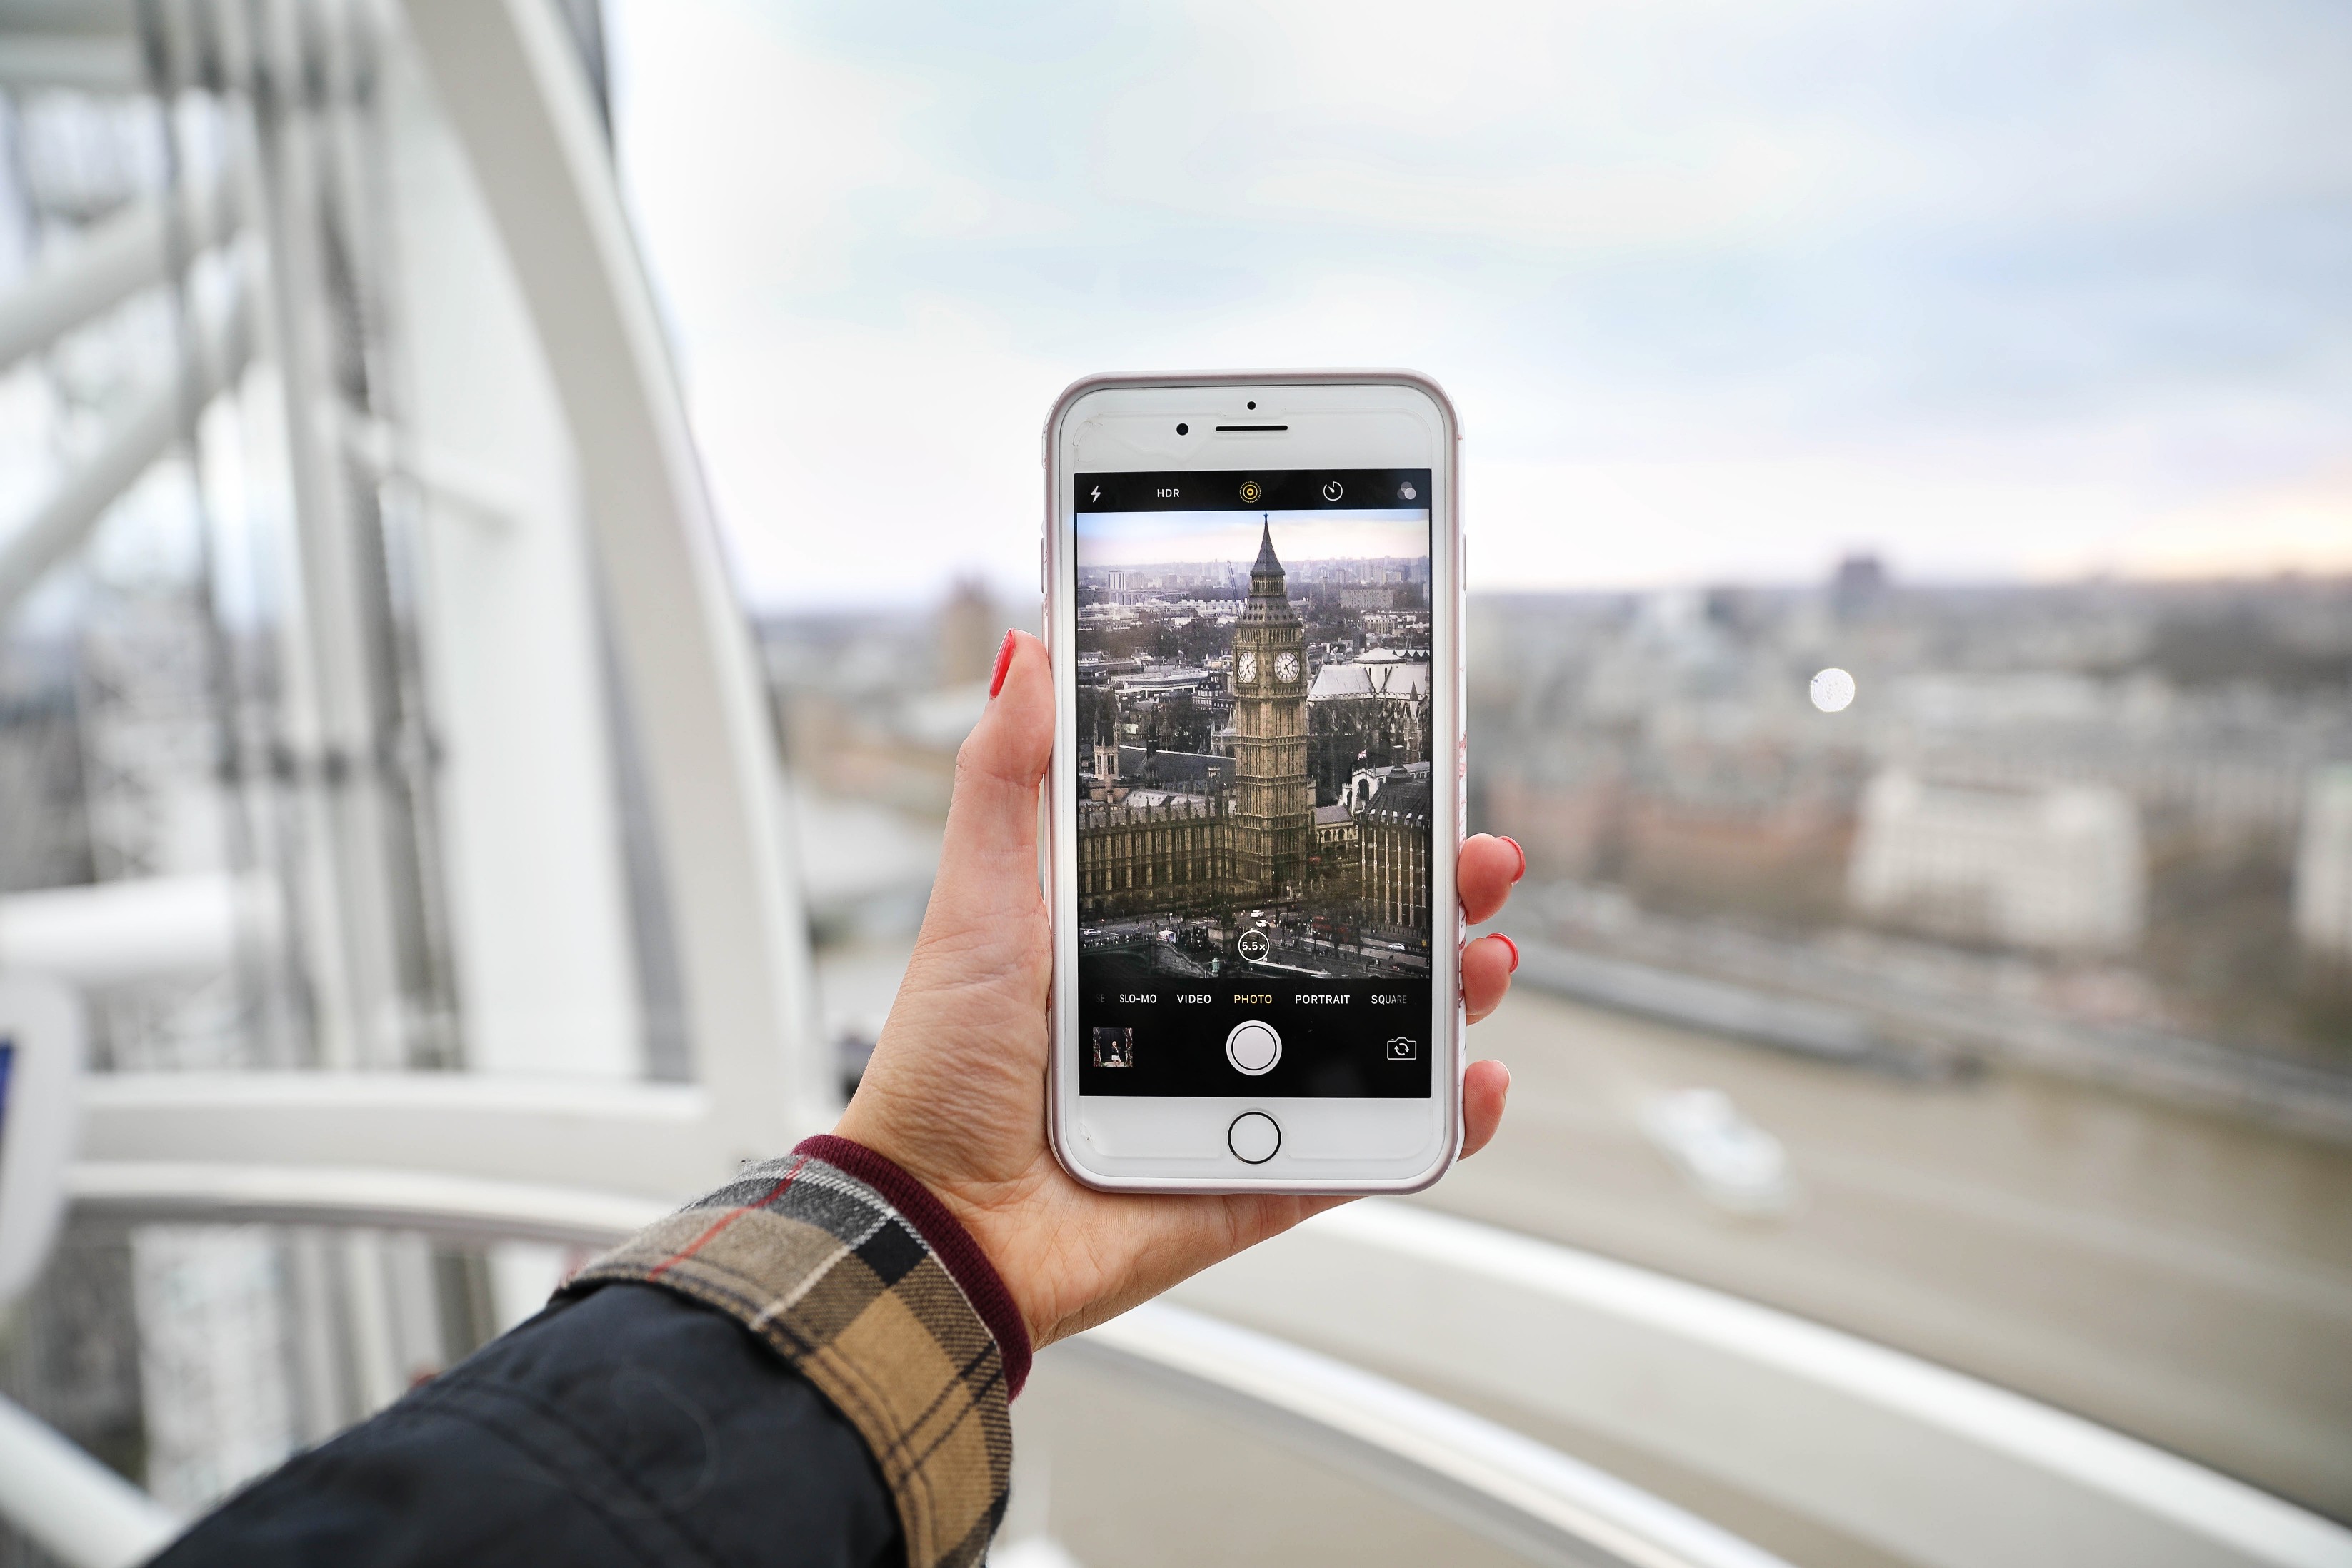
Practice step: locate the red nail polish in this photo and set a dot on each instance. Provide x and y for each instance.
(1521, 874)
(1513, 946)
(1004, 663)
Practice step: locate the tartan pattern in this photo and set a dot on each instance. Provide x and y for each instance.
(821, 1266)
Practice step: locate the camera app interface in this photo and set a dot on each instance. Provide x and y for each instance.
(1254, 779)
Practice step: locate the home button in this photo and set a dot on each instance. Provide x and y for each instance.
(1254, 1137)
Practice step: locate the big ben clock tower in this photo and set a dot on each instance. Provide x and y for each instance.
(1273, 810)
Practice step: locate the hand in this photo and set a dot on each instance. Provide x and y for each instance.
(956, 1090)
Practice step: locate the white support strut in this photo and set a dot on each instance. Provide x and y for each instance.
(74, 1508)
(120, 255)
(156, 416)
(513, 91)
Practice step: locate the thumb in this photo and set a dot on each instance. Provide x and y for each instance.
(992, 820)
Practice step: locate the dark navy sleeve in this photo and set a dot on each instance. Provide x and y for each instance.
(630, 1426)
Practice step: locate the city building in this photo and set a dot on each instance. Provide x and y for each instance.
(1394, 853)
(1168, 854)
(1369, 711)
(2058, 867)
(2322, 863)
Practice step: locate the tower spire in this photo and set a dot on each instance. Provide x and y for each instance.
(1268, 561)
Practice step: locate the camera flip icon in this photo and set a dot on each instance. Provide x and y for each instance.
(1404, 1049)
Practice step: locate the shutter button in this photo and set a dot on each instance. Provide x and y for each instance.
(1253, 1048)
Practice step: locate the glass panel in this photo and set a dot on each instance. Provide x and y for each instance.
(1910, 630)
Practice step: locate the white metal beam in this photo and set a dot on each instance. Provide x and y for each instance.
(118, 256)
(142, 433)
(516, 667)
(656, 1141)
(510, 85)
(148, 1192)
(117, 933)
(1918, 1460)
(74, 1508)
(1529, 1497)
(84, 61)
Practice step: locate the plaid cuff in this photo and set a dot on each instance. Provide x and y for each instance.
(828, 1266)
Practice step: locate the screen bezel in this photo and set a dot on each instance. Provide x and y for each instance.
(1335, 420)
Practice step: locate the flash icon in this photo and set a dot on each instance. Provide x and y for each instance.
(1097, 494)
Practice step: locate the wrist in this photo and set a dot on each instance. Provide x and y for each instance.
(946, 1230)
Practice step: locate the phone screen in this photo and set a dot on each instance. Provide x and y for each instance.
(1254, 774)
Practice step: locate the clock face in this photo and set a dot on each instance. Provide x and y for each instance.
(1247, 668)
(1286, 666)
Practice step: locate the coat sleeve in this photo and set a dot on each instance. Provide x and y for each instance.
(810, 1365)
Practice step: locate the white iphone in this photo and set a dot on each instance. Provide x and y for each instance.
(1253, 603)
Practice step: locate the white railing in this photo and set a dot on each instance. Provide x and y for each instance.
(1923, 1463)
(1501, 1484)
(1520, 1494)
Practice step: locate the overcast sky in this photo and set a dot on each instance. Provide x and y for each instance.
(1999, 289)
(1152, 539)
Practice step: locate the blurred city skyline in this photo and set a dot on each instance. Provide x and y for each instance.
(1998, 294)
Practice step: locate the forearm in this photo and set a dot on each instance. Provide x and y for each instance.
(785, 1372)
(629, 1427)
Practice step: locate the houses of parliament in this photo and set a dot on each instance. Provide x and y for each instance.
(1250, 835)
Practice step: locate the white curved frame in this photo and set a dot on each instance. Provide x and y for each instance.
(1915, 1459)
(511, 87)
(1519, 1493)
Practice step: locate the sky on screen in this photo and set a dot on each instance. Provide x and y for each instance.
(1145, 538)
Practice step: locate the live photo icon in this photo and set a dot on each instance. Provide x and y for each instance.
(1404, 1050)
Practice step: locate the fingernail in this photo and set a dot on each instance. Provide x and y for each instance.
(1513, 946)
(1005, 662)
(1522, 872)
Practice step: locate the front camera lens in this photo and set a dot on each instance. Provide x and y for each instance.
(1183, 430)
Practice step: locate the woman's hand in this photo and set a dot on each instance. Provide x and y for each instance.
(956, 1090)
